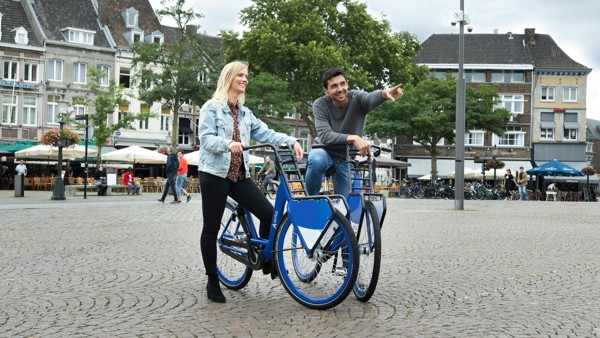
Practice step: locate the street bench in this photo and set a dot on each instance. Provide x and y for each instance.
(71, 190)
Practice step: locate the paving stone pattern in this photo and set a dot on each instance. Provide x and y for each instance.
(127, 266)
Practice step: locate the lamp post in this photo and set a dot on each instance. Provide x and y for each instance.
(85, 117)
(459, 161)
(59, 186)
(494, 154)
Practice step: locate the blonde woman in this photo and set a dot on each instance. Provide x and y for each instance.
(225, 127)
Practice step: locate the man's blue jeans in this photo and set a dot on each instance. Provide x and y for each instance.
(523, 192)
(318, 162)
(179, 184)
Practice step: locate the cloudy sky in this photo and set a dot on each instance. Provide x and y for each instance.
(572, 24)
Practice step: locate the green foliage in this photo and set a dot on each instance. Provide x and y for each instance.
(176, 71)
(267, 96)
(298, 40)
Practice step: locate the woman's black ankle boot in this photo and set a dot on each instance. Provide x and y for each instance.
(213, 290)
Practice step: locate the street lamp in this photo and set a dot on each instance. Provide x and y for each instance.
(459, 161)
(59, 186)
(85, 117)
(494, 154)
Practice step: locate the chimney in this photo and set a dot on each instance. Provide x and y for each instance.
(191, 29)
(529, 36)
(495, 30)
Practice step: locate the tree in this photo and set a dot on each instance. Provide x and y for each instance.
(427, 114)
(268, 97)
(176, 71)
(298, 40)
(105, 101)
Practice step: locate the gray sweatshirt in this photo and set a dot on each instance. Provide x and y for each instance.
(334, 125)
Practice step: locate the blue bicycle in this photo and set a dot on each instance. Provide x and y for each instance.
(311, 243)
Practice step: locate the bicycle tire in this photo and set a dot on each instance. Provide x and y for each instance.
(369, 249)
(232, 273)
(332, 284)
(271, 193)
(418, 193)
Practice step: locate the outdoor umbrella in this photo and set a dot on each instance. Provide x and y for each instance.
(554, 168)
(135, 154)
(45, 152)
(19, 145)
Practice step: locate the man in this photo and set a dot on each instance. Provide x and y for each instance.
(172, 166)
(340, 117)
(182, 172)
(68, 173)
(522, 179)
(268, 170)
(133, 187)
(21, 169)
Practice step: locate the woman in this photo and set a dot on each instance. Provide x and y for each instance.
(509, 184)
(225, 127)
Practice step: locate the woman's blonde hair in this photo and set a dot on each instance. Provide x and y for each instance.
(228, 73)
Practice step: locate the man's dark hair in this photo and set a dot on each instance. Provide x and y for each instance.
(332, 72)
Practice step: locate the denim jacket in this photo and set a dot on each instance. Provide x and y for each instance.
(215, 131)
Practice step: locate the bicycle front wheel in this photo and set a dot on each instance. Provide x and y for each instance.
(232, 273)
(369, 250)
(325, 279)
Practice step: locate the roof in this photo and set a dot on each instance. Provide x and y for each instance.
(594, 126)
(506, 49)
(479, 49)
(13, 16)
(111, 14)
(53, 19)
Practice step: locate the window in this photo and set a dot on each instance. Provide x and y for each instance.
(78, 105)
(508, 76)
(53, 108)
(9, 109)
(156, 37)
(11, 70)
(571, 127)
(125, 77)
(131, 17)
(304, 138)
(29, 110)
(475, 75)
(513, 103)
(184, 138)
(137, 37)
(80, 36)
(570, 94)
(474, 138)
(547, 126)
(79, 72)
(31, 72)
(20, 35)
(103, 78)
(548, 93)
(438, 73)
(55, 68)
(165, 122)
(144, 123)
(512, 138)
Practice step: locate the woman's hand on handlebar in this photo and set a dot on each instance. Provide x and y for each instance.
(236, 147)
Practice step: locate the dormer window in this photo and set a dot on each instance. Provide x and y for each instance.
(20, 35)
(134, 35)
(131, 17)
(156, 37)
(80, 36)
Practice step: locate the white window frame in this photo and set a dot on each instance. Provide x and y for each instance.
(570, 94)
(144, 124)
(545, 95)
(507, 76)
(80, 36)
(570, 134)
(9, 110)
(79, 72)
(547, 134)
(20, 36)
(104, 80)
(510, 101)
(55, 70)
(477, 135)
(131, 18)
(30, 72)
(165, 122)
(52, 111)
(29, 111)
(11, 70)
(184, 138)
(78, 109)
(505, 140)
(470, 78)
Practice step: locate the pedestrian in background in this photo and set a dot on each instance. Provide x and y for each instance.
(522, 179)
(182, 172)
(100, 180)
(129, 181)
(509, 184)
(21, 169)
(172, 166)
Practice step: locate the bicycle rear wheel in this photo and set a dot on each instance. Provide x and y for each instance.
(232, 273)
(369, 250)
(325, 279)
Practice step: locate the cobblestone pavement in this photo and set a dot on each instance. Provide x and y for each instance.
(129, 266)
